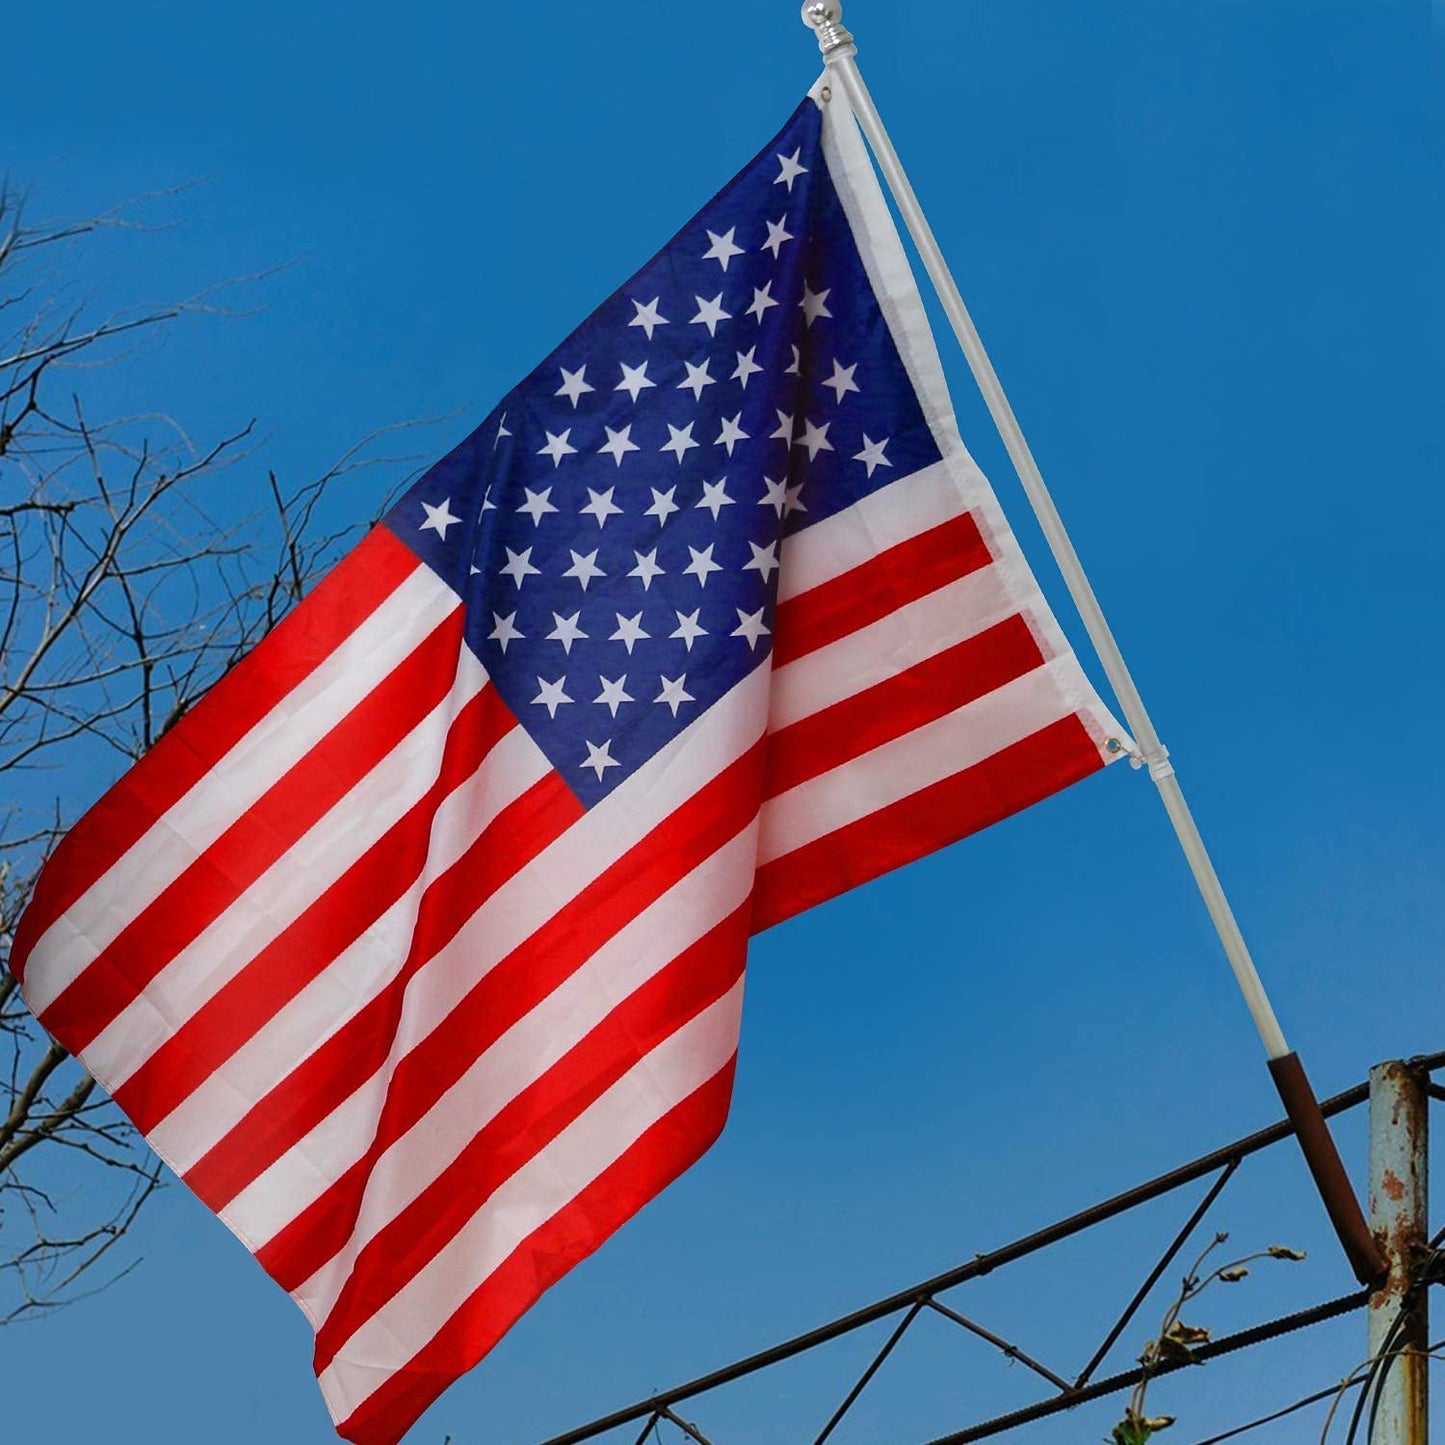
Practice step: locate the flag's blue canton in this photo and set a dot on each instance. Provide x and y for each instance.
(615, 524)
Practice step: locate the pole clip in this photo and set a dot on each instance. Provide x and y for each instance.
(825, 19)
(1156, 759)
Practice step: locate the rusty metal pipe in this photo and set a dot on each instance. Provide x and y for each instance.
(1399, 1318)
(1318, 1147)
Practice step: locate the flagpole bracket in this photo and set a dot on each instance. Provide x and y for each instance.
(825, 19)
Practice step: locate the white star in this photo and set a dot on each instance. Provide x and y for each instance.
(646, 568)
(722, 249)
(872, 454)
(662, 504)
(502, 431)
(679, 440)
(765, 560)
(551, 696)
(573, 385)
(815, 438)
(537, 506)
(557, 447)
(776, 494)
(697, 378)
(814, 304)
(794, 502)
(648, 317)
(634, 379)
(790, 170)
(599, 759)
(762, 299)
(614, 694)
(505, 631)
(709, 313)
(842, 378)
(438, 519)
(619, 443)
(673, 693)
(731, 432)
(702, 564)
(519, 565)
(714, 498)
(601, 506)
(785, 426)
(750, 626)
(566, 631)
(629, 631)
(746, 367)
(793, 368)
(777, 234)
(584, 569)
(688, 629)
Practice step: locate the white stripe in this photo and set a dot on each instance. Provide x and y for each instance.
(358, 973)
(881, 650)
(545, 1185)
(284, 891)
(856, 535)
(603, 835)
(663, 931)
(927, 755)
(274, 745)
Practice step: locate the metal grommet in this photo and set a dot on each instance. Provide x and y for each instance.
(1114, 745)
(826, 94)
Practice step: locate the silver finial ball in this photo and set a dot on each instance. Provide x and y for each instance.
(817, 13)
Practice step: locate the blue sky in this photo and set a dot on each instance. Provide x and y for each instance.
(1202, 245)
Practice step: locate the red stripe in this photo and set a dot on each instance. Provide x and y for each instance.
(206, 1038)
(920, 694)
(350, 1056)
(346, 597)
(256, 840)
(698, 977)
(881, 585)
(940, 814)
(685, 839)
(670, 1146)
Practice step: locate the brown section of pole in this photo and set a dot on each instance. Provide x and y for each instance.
(1318, 1146)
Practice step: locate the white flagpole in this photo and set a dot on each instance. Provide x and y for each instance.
(824, 17)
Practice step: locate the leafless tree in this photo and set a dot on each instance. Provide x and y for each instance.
(133, 572)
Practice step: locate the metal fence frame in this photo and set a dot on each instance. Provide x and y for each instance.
(1220, 1166)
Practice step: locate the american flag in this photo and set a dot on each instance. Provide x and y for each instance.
(417, 949)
